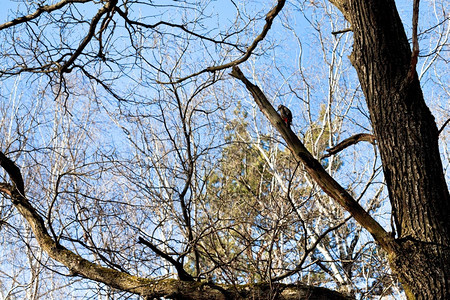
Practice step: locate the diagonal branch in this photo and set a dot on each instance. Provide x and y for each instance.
(443, 126)
(315, 169)
(74, 262)
(107, 8)
(77, 265)
(13, 172)
(182, 274)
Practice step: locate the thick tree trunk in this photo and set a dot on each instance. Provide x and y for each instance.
(408, 141)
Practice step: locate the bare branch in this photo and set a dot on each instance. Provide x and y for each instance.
(182, 274)
(148, 288)
(354, 139)
(269, 21)
(39, 11)
(107, 8)
(13, 172)
(179, 26)
(443, 126)
(342, 31)
(315, 169)
(310, 250)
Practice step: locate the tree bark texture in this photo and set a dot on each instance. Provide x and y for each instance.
(407, 138)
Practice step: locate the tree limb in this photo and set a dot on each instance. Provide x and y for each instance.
(315, 169)
(354, 139)
(13, 171)
(341, 31)
(443, 126)
(147, 288)
(38, 12)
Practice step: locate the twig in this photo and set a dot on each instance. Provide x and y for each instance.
(108, 7)
(39, 11)
(443, 126)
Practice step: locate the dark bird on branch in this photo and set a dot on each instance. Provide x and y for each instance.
(285, 114)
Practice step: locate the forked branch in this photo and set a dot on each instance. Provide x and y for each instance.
(182, 274)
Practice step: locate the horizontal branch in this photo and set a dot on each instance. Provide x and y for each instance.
(341, 31)
(354, 139)
(443, 126)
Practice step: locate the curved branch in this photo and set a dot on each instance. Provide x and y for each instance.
(148, 288)
(173, 25)
(76, 264)
(269, 21)
(39, 11)
(341, 31)
(354, 139)
(443, 126)
(315, 169)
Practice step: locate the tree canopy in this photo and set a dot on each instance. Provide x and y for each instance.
(142, 156)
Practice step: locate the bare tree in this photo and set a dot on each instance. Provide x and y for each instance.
(127, 175)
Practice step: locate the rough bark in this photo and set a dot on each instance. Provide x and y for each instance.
(407, 138)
